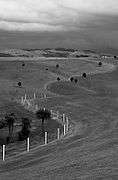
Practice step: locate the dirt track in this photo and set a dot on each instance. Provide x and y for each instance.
(92, 153)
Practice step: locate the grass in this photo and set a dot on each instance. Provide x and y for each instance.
(33, 77)
(91, 104)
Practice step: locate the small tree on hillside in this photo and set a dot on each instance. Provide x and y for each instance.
(19, 84)
(58, 79)
(57, 66)
(84, 75)
(71, 79)
(100, 63)
(10, 119)
(25, 131)
(76, 80)
(43, 114)
(23, 64)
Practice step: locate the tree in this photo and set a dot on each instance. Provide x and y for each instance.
(19, 84)
(76, 80)
(43, 114)
(57, 66)
(71, 79)
(100, 63)
(10, 119)
(23, 64)
(25, 131)
(3, 123)
(84, 75)
(58, 79)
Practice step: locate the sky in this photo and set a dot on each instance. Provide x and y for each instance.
(72, 23)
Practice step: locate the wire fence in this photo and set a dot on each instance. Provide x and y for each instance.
(55, 115)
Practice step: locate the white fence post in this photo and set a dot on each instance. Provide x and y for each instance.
(63, 118)
(64, 129)
(22, 100)
(58, 133)
(46, 134)
(28, 146)
(67, 124)
(34, 96)
(25, 97)
(28, 103)
(3, 153)
(36, 107)
(44, 95)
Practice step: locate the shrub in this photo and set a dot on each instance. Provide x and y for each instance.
(100, 63)
(23, 64)
(3, 124)
(43, 114)
(71, 79)
(84, 75)
(76, 80)
(57, 65)
(58, 79)
(23, 134)
(19, 84)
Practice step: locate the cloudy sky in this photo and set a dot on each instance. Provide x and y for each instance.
(41, 23)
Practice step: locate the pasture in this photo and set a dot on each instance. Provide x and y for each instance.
(91, 150)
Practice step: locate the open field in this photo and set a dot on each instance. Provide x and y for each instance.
(91, 151)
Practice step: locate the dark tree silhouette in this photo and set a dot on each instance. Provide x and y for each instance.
(58, 79)
(25, 131)
(19, 84)
(71, 79)
(76, 80)
(23, 64)
(10, 119)
(100, 63)
(84, 75)
(57, 66)
(43, 114)
(46, 69)
(3, 123)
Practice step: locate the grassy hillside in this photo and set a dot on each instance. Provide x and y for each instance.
(91, 105)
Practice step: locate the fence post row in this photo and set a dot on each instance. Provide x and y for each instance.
(53, 113)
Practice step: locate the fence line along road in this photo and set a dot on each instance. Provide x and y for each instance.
(55, 115)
